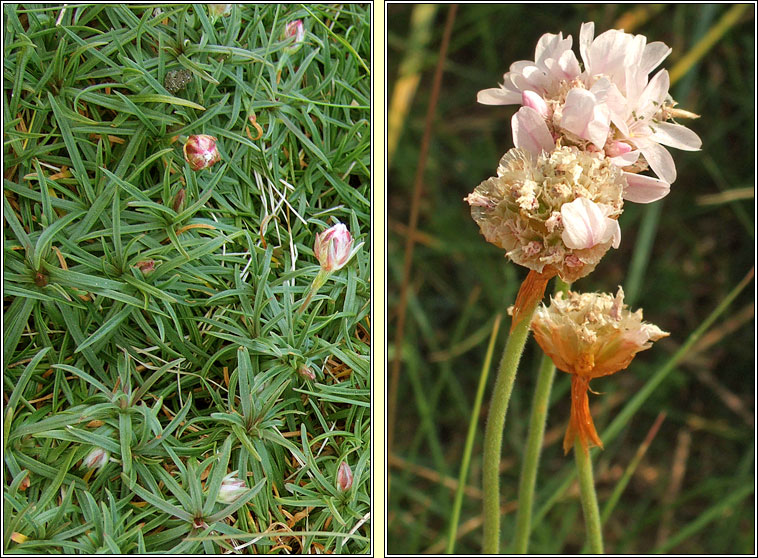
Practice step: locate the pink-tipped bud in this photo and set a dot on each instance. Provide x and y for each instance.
(305, 372)
(344, 477)
(145, 266)
(96, 459)
(218, 10)
(616, 148)
(295, 29)
(333, 247)
(231, 488)
(200, 152)
(535, 101)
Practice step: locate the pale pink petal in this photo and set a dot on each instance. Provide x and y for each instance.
(586, 225)
(617, 106)
(497, 96)
(652, 97)
(535, 101)
(659, 159)
(653, 55)
(536, 78)
(585, 117)
(644, 189)
(551, 46)
(586, 34)
(676, 135)
(625, 159)
(615, 229)
(634, 47)
(608, 52)
(565, 67)
(530, 131)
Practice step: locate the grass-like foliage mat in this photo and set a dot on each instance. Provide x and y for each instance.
(151, 310)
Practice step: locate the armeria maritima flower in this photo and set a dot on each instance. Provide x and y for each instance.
(200, 152)
(590, 335)
(553, 213)
(611, 105)
(231, 488)
(333, 249)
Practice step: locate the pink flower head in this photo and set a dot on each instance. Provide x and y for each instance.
(295, 29)
(200, 152)
(344, 477)
(231, 488)
(96, 459)
(333, 247)
(611, 106)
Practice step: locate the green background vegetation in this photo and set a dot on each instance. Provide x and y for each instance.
(693, 490)
(188, 372)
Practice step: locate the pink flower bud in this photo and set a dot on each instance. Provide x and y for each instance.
(295, 29)
(200, 152)
(218, 10)
(145, 266)
(333, 247)
(535, 101)
(96, 459)
(616, 148)
(231, 488)
(305, 372)
(344, 477)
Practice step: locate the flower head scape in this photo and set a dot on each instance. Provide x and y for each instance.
(590, 335)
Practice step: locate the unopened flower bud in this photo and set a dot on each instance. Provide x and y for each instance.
(333, 247)
(231, 488)
(295, 29)
(179, 199)
(218, 10)
(305, 372)
(200, 152)
(145, 266)
(96, 459)
(344, 477)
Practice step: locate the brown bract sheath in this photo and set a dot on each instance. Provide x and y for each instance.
(530, 294)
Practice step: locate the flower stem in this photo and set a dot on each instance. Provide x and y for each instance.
(532, 455)
(534, 446)
(589, 498)
(458, 502)
(493, 433)
(318, 282)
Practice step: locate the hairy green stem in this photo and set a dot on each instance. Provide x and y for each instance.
(532, 455)
(534, 446)
(589, 498)
(458, 502)
(493, 433)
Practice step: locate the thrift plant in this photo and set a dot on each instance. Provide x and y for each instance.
(167, 171)
(582, 138)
